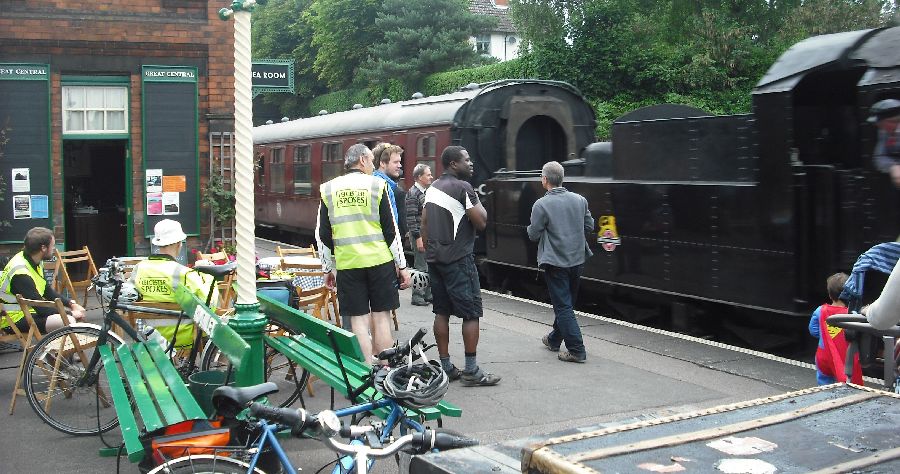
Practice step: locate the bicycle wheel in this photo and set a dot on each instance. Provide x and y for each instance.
(290, 377)
(204, 464)
(53, 367)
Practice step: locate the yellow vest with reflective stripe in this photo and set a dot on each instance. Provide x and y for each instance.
(353, 201)
(19, 265)
(157, 280)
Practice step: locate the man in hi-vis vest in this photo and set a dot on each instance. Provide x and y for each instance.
(160, 275)
(24, 275)
(361, 250)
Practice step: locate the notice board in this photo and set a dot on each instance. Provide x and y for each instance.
(170, 134)
(25, 165)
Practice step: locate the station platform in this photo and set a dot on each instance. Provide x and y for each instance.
(632, 373)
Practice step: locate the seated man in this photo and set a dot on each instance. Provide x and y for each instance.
(24, 275)
(157, 278)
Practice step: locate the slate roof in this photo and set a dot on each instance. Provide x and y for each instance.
(486, 7)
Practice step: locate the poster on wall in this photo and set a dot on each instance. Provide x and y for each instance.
(154, 181)
(170, 203)
(40, 206)
(21, 180)
(154, 204)
(22, 207)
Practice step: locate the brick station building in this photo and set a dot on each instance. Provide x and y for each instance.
(115, 112)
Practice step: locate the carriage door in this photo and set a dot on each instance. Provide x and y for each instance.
(539, 129)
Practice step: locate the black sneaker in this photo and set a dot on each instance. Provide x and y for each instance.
(454, 373)
(567, 356)
(479, 379)
(546, 340)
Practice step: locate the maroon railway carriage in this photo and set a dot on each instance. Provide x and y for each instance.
(513, 124)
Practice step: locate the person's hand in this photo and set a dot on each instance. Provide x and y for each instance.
(331, 279)
(864, 310)
(77, 311)
(404, 277)
(895, 175)
(420, 245)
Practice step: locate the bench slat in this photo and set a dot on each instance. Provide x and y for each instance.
(189, 406)
(164, 398)
(139, 390)
(127, 423)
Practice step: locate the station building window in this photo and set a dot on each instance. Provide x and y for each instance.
(276, 171)
(332, 161)
(302, 170)
(94, 109)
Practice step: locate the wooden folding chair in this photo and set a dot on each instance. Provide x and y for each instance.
(227, 294)
(212, 257)
(83, 265)
(302, 251)
(30, 338)
(313, 273)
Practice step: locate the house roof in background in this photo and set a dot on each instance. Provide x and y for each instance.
(487, 8)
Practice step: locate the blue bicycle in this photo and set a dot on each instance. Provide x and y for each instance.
(406, 382)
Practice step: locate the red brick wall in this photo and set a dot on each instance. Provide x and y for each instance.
(113, 36)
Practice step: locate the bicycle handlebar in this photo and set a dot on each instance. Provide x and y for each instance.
(402, 348)
(858, 322)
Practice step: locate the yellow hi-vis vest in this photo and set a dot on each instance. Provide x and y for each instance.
(18, 265)
(353, 201)
(157, 279)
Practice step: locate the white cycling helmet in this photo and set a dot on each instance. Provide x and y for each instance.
(419, 279)
(421, 385)
(128, 293)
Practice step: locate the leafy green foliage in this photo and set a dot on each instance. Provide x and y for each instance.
(342, 30)
(221, 202)
(422, 37)
(446, 82)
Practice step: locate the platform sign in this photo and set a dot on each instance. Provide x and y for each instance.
(272, 75)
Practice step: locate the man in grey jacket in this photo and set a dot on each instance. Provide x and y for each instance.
(559, 221)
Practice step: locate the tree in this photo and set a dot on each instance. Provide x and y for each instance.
(342, 30)
(423, 37)
(281, 32)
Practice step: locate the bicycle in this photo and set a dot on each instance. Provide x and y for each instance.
(323, 426)
(63, 377)
(367, 442)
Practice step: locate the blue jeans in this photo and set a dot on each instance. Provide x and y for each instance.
(563, 286)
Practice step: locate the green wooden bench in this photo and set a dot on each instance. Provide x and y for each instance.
(148, 392)
(333, 355)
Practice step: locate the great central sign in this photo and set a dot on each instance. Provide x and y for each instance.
(272, 75)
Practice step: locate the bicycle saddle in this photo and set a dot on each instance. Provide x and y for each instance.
(217, 271)
(229, 401)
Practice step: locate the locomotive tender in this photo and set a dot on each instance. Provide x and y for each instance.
(750, 211)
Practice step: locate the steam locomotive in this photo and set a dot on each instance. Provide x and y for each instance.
(748, 211)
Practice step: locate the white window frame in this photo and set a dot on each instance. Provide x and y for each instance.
(85, 110)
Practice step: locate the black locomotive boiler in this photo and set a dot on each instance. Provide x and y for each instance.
(750, 212)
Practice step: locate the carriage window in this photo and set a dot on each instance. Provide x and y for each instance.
(260, 170)
(332, 161)
(302, 170)
(276, 171)
(426, 147)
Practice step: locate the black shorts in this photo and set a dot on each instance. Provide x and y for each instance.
(361, 290)
(22, 324)
(455, 288)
